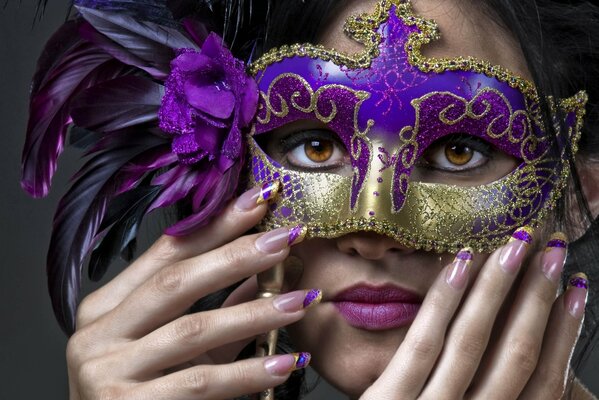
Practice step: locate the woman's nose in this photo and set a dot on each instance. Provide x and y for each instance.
(370, 245)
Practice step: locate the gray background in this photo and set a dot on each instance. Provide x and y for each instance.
(32, 345)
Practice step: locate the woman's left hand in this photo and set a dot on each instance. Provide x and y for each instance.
(473, 354)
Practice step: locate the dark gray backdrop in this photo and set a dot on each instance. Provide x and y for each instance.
(31, 344)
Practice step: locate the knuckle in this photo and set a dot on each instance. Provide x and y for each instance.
(188, 329)
(545, 297)
(243, 377)
(439, 303)
(111, 392)
(77, 346)
(233, 254)
(165, 248)
(196, 382)
(425, 347)
(523, 352)
(90, 372)
(471, 345)
(169, 280)
(85, 310)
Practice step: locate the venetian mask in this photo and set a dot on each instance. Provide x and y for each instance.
(387, 104)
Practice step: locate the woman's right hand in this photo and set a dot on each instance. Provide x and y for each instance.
(134, 341)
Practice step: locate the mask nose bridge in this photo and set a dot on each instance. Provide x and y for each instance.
(376, 197)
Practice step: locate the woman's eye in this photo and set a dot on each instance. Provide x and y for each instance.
(460, 153)
(314, 150)
(317, 150)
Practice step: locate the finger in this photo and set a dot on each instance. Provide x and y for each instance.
(515, 356)
(411, 365)
(244, 292)
(174, 289)
(191, 335)
(238, 217)
(565, 322)
(222, 381)
(469, 334)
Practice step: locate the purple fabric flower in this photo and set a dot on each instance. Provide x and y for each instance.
(208, 101)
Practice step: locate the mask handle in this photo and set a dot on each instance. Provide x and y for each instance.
(270, 283)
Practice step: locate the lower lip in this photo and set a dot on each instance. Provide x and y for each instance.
(379, 316)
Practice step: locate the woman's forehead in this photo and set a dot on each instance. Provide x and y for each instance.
(466, 30)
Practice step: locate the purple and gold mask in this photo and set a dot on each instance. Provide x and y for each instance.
(387, 104)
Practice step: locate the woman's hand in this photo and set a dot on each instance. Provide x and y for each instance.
(133, 340)
(472, 353)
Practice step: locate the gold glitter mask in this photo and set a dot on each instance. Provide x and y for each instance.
(387, 105)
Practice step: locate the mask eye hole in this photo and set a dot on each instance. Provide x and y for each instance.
(463, 159)
(307, 146)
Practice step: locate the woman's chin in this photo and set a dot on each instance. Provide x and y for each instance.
(348, 358)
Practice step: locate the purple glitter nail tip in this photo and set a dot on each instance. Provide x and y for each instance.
(465, 255)
(302, 360)
(296, 234)
(579, 283)
(312, 296)
(557, 243)
(523, 234)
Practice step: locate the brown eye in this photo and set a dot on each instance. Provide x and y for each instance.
(458, 154)
(319, 150)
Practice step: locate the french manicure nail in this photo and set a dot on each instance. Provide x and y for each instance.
(280, 238)
(248, 200)
(298, 300)
(576, 294)
(268, 191)
(555, 256)
(512, 253)
(457, 273)
(286, 363)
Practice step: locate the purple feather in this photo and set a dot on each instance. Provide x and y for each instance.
(54, 86)
(120, 226)
(117, 104)
(79, 217)
(152, 43)
(218, 198)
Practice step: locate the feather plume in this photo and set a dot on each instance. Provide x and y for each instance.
(119, 228)
(146, 10)
(148, 41)
(117, 104)
(80, 214)
(53, 87)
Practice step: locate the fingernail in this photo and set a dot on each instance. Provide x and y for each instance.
(268, 191)
(576, 294)
(298, 300)
(457, 273)
(248, 200)
(286, 363)
(511, 255)
(280, 238)
(555, 256)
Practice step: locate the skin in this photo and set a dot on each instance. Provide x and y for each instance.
(503, 336)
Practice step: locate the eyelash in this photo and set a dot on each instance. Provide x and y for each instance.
(462, 139)
(295, 139)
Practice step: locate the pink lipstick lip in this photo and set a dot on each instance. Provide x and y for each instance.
(377, 308)
(377, 294)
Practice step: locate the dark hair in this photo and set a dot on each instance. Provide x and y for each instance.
(560, 42)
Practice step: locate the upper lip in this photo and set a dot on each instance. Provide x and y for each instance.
(365, 293)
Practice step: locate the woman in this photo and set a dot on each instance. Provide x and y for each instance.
(390, 314)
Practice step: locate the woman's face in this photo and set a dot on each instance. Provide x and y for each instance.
(351, 345)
